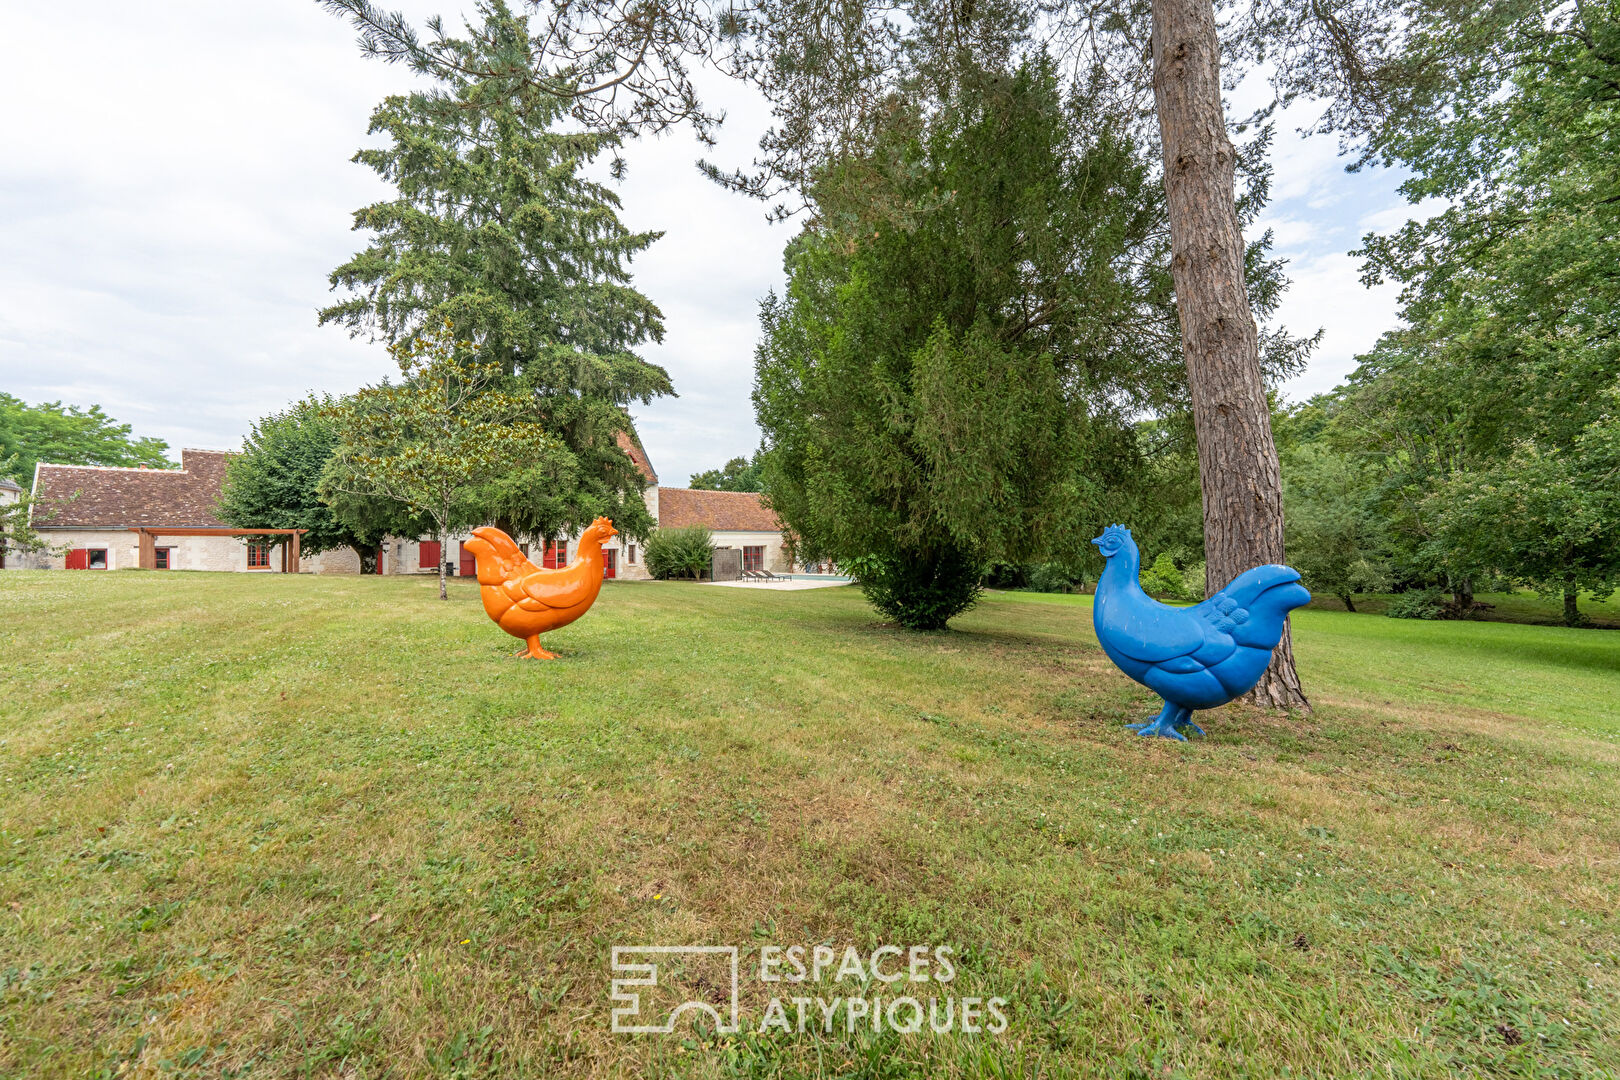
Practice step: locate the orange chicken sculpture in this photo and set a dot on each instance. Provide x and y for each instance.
(527, 601)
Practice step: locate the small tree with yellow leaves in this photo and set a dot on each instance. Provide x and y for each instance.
(428, 440)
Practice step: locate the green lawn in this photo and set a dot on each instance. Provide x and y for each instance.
(278, 827)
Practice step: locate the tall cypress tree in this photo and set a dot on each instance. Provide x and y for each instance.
(496, 231)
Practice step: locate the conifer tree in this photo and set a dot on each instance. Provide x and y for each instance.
(497, 229)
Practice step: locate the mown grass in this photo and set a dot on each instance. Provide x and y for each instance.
(308, 826)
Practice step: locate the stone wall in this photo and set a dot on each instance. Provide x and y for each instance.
(403, 556)
(341, 560)
(216, 553)
(776, 559)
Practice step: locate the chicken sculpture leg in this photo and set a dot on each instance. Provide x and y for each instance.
(1194, 657)
(526, 600)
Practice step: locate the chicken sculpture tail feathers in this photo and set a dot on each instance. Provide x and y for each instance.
(1252, 607)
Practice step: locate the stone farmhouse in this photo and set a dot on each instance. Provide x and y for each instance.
(105, 518)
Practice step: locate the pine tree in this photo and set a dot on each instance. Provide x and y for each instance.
(496, 230)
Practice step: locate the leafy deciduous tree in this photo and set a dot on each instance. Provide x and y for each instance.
(431, 440)
(67, 435)
(1483, 410)
(738, 474)
(17, 535)
(274, 483)
(1336, 536)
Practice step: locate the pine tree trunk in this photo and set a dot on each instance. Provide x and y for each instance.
(1237, 460)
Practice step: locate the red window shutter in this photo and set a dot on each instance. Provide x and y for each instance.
(428, 550)
(78, 559)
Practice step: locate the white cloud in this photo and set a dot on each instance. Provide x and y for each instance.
(1290, 235)
(1395, 216)
(1326, 293)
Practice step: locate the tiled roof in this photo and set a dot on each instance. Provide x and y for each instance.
(117, 498)
(8, 484)
(631, 445)
(723, 511)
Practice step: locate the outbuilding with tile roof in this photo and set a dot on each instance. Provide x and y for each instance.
(99, 517)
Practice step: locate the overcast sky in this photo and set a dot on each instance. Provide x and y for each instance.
(176, 186)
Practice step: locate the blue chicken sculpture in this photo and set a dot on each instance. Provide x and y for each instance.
(1196, 657)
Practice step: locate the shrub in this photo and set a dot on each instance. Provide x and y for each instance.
(1417, 604)
(1192, 582)
(1164, 578)
(1006, 575)
(919, 593)
(1052, 577)
(679, 553)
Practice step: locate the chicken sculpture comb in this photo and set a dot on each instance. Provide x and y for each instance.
(1194, 657)
(526, 600)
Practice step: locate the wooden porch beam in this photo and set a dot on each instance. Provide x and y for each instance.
(166, 531)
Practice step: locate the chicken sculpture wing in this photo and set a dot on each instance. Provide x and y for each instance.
(1194, 657)
(526, 600)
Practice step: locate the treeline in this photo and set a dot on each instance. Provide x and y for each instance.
(68, 435)
(1479, 443)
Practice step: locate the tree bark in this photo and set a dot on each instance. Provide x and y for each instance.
(444, 545)
(1349, 603)
(1237, 459)
(1572, 610)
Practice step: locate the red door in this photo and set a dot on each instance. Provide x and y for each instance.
(428, 555)
(610, 563)
(469, 564)
(78, 559)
